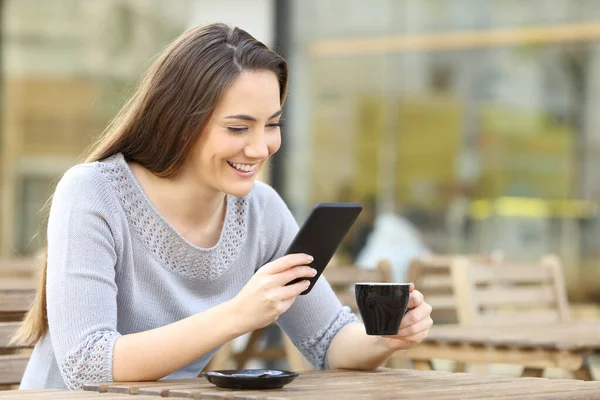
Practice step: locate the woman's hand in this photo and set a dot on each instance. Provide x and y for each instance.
(415, 324)
(265, 297)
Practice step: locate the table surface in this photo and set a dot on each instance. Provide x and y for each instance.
(337, 384)
(571, 336)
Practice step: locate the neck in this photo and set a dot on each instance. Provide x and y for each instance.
(180, 202)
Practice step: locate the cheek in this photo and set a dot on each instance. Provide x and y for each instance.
(226, 149)
(274, 143)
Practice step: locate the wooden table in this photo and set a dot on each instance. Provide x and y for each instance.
(382, 384)
(536, 347)
(65, 395)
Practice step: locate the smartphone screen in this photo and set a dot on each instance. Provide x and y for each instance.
(322, 233)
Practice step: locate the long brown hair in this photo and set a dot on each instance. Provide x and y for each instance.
(160, 124)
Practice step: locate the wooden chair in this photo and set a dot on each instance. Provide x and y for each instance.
(16, 295)
(511, 294)
(13, 359)
(17, 290)
(22, 267)
(17, 286)
(432, 277)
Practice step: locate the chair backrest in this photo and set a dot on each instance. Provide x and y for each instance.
(13, 359)
(510, 293)
(342, 279)
(16, 295)
(432, 277)
(24, 267)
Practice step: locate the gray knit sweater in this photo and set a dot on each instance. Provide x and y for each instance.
(116, 267)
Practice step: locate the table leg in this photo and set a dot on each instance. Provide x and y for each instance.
(584, 373)
(532, 372)
(459, 367)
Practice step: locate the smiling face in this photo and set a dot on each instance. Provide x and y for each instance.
(242, 133)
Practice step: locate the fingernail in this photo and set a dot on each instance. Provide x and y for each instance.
(307, 283)
(310, 259)
(313, 271)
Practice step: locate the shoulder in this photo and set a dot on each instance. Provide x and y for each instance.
(82, 177)
(84, 185)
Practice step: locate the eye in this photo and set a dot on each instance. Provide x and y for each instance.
(237, 129)
(275, 125)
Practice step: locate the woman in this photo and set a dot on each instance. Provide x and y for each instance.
(161, 247)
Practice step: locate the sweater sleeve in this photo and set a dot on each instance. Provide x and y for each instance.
(80, 287)
(314, 319)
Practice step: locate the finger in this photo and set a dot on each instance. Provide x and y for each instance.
(415, 299)
(289, 275)
(415, 315)
(418, 327)
(291, 291)
(286, 262)
(412, 287)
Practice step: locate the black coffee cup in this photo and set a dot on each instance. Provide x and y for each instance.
(382, 306)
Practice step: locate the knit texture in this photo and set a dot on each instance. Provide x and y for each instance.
(116, 267)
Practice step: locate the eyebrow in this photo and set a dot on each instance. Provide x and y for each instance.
(251, 118)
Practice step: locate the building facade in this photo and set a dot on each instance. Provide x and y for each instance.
(474, 121)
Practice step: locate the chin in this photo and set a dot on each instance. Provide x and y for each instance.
(240, 189)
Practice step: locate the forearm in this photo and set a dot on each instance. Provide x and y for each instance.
(352, 348)
(153, 354)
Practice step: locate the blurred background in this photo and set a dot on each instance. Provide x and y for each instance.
(463, 126)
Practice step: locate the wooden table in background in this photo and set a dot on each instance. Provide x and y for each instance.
(382, 384)
(16, 294)
(535, 347)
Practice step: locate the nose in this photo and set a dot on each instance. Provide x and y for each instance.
(257, 147)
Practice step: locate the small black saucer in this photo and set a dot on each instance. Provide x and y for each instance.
(250, 379)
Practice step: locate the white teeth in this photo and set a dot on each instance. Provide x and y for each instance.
(243, 167)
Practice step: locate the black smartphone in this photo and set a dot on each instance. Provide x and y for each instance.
(322, 233)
